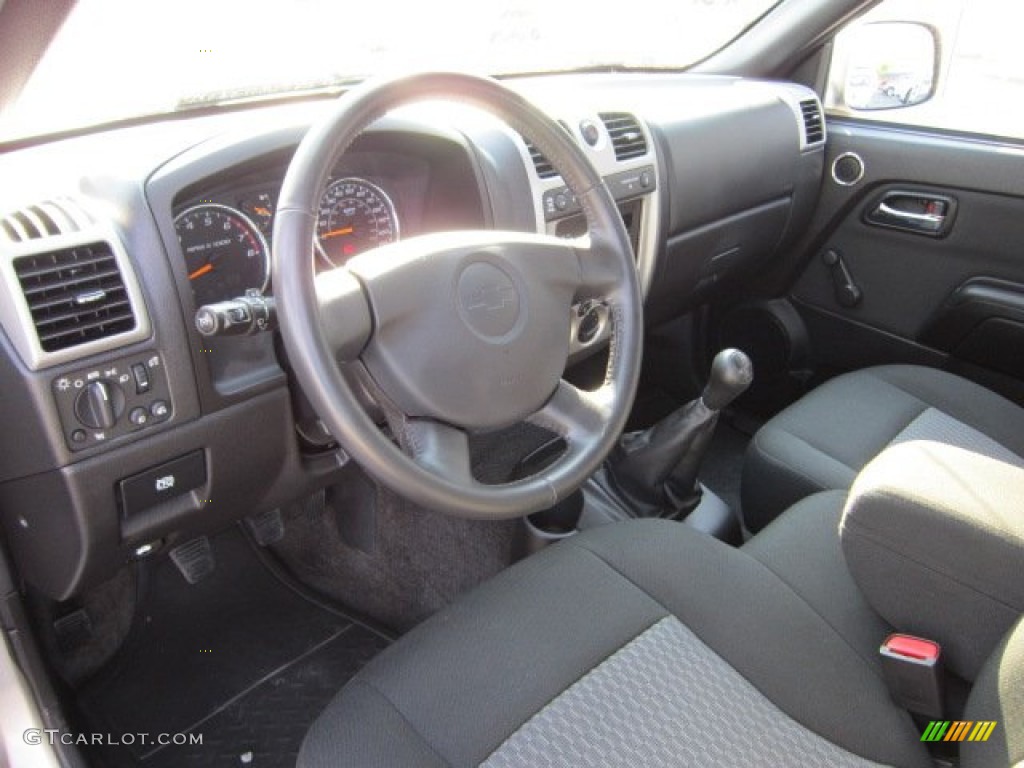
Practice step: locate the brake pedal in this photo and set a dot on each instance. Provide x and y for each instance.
(266, 528)
(194, 559)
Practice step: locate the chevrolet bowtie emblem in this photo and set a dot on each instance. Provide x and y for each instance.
(488, 300)
(491, 298)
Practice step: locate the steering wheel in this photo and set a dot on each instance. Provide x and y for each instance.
(457, 331)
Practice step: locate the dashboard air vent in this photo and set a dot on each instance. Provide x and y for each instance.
(624, 131)
(75, 295)
(814, 125)
(53, 217)
(542, 165)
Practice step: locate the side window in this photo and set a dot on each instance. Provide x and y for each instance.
(946, 64)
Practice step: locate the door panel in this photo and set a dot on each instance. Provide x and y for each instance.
(921, 259)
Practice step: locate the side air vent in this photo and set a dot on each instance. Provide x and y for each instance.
(53, 217)
(540, 163)
(75, 295)
(814, 125)
(624, 131)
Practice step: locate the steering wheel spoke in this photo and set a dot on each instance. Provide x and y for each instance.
(441, 449)
(576, 415)
(602, 271)
(344, 313)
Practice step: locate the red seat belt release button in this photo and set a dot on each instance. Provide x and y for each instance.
(913, 672)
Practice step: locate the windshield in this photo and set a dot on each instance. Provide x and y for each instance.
(115, 59)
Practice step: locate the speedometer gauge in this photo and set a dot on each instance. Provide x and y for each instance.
(354, 216)
(225, 253)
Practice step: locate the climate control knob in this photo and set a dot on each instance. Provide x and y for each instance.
(99, 404)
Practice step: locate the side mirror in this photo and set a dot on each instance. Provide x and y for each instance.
(888, 65)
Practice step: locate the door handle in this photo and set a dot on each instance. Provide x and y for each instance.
(922, 213)
(923, 219)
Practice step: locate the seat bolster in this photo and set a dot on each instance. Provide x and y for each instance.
(779, 469)
(803, 548)
(961, 399)
(998, 695)
(361, 727)
(767, 632)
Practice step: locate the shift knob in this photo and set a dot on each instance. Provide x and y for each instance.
(731, 374)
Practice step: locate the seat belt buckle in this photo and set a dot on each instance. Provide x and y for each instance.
(913, 671)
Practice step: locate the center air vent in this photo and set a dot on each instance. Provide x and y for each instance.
(75, 295)
(542, 165)
(626, 135)
(814, 125)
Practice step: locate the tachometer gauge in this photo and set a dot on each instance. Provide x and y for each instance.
(354, 216)
(225, 253)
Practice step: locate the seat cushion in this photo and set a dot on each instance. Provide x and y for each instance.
(822, 441)
(638, 643)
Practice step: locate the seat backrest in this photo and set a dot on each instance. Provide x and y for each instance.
(998, 695)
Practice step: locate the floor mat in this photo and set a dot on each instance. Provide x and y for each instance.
(420, 560)
(238, 659)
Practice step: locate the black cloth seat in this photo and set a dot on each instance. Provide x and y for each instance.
(639, 643)
(823, 440)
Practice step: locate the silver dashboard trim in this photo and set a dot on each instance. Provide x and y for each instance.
(16, 319)
(792, 94)
(602, 155)
(860, 173)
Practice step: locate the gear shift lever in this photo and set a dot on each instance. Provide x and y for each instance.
(731, 374)
(657, 468)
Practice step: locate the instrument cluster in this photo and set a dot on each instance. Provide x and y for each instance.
(225, 238)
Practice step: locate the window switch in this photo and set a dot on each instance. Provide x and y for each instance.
(141, 375)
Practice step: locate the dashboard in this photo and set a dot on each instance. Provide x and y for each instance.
(136, 431)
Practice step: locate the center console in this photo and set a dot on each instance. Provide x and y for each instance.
(621, 148)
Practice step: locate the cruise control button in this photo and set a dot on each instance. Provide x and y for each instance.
(139, 417)
(159, 409)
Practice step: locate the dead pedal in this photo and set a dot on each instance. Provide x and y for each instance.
(194, 559)
(73, 630)
(267, 527)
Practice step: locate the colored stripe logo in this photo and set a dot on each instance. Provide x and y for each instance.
(958, 730)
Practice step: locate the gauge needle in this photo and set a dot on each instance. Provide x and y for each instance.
(262, 211)
(205, 269)
(336, 233)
